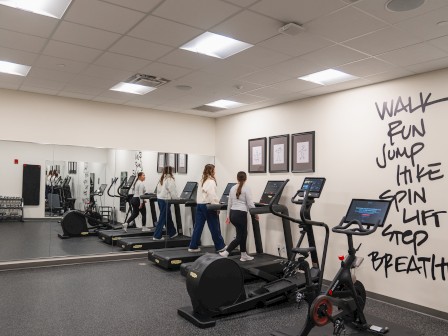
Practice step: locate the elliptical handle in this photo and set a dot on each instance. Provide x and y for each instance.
(275, 199)
(358, 230)
(114, 180)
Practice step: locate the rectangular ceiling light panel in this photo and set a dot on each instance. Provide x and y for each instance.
(215, 45)
(14, 69)
(225, 104)
(132, 88)
(51, 8)
(328, 77)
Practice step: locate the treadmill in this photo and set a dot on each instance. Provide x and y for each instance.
(265, 266)
(188, 198)
(172, 258)
(111, 236)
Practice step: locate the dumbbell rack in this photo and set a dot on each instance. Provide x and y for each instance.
(11, 208)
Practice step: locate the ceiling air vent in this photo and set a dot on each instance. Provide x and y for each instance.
(208, 108)
(147, 80)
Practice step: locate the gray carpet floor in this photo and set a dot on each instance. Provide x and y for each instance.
(134, 297)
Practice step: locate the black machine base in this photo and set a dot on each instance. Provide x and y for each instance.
(200, 322)
(394, 329)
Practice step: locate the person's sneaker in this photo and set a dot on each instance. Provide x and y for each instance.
(145, 229)
(224, 254)
(154, 238)
(223, 249)
(246, 258)
(174, 235)
(125, 227)
(194, 250)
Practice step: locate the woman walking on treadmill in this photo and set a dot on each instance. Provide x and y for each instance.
(166, 190)
(138, 204)
(240, 201)
(207, 194)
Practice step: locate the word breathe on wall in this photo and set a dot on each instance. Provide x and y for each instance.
(405, 143)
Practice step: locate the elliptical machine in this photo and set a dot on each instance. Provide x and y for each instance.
(76, 223)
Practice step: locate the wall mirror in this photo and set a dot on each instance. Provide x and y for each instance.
(86, 179)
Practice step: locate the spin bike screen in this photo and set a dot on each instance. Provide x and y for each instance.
(368, 212)
(270, 190)
(314, 185)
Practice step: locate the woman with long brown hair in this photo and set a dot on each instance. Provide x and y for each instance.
(138, 204)
(240, 201)
(166, 190)
(207, 195)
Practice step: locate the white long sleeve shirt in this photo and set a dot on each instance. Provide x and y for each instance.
(139, 190)
(244, 202)
(167, 190)
(207, 192)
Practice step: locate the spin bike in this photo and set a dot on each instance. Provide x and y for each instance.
(344, 301)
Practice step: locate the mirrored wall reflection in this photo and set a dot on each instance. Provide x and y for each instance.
(82, 186)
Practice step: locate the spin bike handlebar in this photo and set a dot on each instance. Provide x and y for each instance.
(359, 229)
(302, 220)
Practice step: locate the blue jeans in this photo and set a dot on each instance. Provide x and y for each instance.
(165, 218)
(211, 216)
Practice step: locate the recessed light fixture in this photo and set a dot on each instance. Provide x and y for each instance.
(403, 5)
(14, 68)
(132, 88)
(215, 45)
(226, 104)
(328, 77)
(51, 8)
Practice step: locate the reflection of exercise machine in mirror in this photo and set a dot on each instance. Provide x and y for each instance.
(76, 223)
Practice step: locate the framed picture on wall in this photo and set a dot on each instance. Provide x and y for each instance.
(182, 163)
(160, 162)
(170, 161)
(279, 153)
(302, 147)
(257, 155)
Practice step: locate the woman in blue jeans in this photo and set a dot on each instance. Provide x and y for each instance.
(166, 190)
(207, 195)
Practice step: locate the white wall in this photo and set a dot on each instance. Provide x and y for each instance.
(349, 138)
(66, 121)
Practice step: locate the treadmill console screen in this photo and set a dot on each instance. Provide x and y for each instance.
(225, 195)
(314, 185)
(188, 191)
(271, 189)
(368, 212)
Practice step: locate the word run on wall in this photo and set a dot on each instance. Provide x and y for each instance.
(402, 150)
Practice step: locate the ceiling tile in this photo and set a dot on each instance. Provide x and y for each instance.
(399, 73)
(334, 56)
(83, 89)
(377, 8)
(139, 5)
(441, 43)
(102, 15)
(298, 11)
(121, 62)
(269, 92)
(246, 98)
(196, 13)
(366, 67)
(70, 51)
(42, 83)
(12, 82)
(344, 24)
(242, 3)
(229, 69)
(437, 64)
(39, 89)
(259, 57)
(84, 36)
(295, 45)
(75, 95)
(265, 77)
(248, 27)
(417, 53)
(294, 85)
(37, 25)
(140, 48)
(47, 74)
(382, 41)
(324, 89)
(165, 70)
(188, 59)
(296, 67)
(17, 56)
(117, 75)
(21, 41)
(60, 64)
(164, 31)
(119, 99)
(425, 26)
(91, 82)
